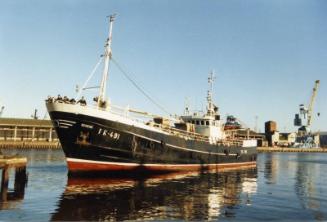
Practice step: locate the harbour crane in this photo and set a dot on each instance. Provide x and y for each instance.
(313, 97)
(304, 137)
(306, 113)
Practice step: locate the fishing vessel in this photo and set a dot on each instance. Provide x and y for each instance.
(104, 138)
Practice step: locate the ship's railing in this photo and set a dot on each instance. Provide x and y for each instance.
(196, 136)
(147, 119)
(138, 116)
(243, 134)
(135, 115)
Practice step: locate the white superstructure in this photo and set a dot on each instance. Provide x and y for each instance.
(208, 124)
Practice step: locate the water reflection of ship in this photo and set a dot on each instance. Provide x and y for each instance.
(173, 196)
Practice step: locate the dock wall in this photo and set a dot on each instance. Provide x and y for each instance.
(27, 133)
(287, 149)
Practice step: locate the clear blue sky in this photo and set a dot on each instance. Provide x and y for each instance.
(266, 54)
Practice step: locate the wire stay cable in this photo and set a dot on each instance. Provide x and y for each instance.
(139, 87)
(88, 78)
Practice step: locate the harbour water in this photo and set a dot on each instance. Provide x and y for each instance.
(284, 186)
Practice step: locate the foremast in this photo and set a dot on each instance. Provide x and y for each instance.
(107, 57)
(210, 107)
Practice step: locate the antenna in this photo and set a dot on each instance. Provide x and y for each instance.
(256, 124)
(211, 79)
(187, 106)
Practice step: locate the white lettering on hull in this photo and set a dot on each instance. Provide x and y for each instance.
(109, 133)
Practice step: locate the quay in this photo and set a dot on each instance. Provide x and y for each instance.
(19, 164)
(30, 144)
(288, 149)
(27, 133)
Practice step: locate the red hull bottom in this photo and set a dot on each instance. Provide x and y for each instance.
(78, 165)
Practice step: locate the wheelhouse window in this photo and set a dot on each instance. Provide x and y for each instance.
(197, 122)
(202, 122)
(207, 123)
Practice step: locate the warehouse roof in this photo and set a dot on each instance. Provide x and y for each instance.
(24, 122)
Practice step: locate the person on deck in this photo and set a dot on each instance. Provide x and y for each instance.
(59, 98)
(82, 101)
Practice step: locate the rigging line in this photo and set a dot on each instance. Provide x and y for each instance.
(138, 87)
(88, 78)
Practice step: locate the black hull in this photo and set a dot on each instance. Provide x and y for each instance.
(94, 144)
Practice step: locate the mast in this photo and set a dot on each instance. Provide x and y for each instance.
(107, 56)
(210, 107)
